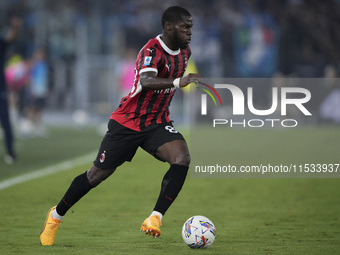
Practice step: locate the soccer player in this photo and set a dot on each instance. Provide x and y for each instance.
(142, 120)
(16, 24)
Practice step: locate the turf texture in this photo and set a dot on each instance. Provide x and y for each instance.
(252, 216)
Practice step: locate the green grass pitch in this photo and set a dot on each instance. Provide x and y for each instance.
(252, 216)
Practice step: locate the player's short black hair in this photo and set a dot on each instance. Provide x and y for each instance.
(174, 14)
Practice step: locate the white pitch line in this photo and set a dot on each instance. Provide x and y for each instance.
(63, 166)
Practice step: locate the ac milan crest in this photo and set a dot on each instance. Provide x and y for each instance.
(102, 157)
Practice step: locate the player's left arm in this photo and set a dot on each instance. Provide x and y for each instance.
(149, 80)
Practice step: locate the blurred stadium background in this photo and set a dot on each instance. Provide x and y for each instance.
(91, 45)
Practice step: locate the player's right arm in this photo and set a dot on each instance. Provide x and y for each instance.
(149, 80)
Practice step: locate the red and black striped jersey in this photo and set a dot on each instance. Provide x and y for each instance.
(141, 107)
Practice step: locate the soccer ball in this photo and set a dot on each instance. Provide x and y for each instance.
(198, 232)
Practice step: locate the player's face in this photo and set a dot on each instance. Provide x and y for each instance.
(182, 32)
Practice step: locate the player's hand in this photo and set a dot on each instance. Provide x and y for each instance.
(191, 77)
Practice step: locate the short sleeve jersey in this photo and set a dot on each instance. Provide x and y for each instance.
(141, 108)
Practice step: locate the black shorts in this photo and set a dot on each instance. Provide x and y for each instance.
(121, 143)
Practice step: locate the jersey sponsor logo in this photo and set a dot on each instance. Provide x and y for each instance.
(164, 91)
(168, 67)
(147, 61)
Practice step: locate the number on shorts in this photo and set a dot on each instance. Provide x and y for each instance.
(171, 129)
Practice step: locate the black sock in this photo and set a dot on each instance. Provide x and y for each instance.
(171, 185)
(79, 187)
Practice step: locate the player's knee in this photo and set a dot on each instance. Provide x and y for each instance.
(182, 159)
(95, 175)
